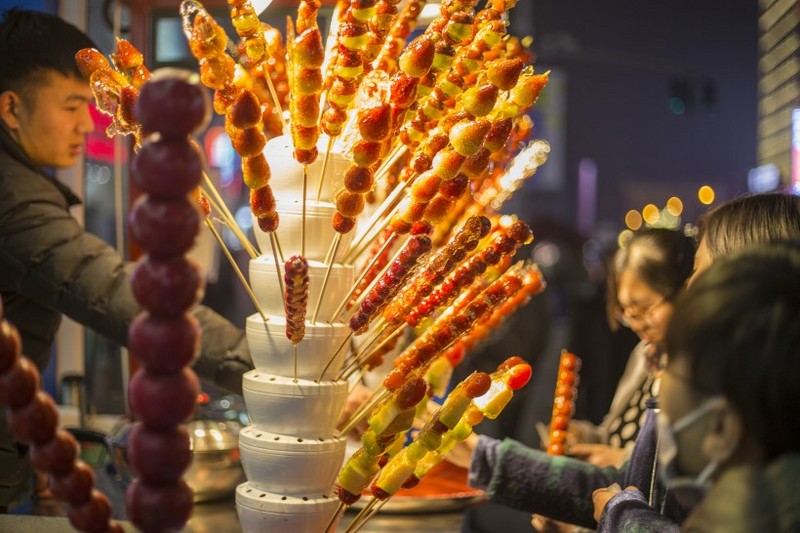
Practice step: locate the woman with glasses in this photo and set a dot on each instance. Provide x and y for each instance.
(730, 438)
(647, 275)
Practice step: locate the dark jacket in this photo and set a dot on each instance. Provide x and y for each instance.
(561, 487)
(50, 266)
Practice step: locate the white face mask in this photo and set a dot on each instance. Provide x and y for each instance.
(688, 490)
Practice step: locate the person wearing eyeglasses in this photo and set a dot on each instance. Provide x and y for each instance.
(729, 436)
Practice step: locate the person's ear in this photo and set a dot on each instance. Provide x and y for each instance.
(9, 109)
(726, 433)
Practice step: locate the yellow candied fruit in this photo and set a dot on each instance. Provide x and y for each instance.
(255, 48)
(442, 62)
(450, 89)
(245, 22)
(356, 42)
(489, 38)
(348, 73)
(363, 15)
(472, 65)
(415, 135)
(342, 100)
(459, 33)
(432, 112)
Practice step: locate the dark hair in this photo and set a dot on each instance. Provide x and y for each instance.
(32, 44)
(738, 328)
(662, 258)
(749, 220)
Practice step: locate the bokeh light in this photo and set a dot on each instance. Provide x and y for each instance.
(650, 213)
(633, 220)
(706, 195)
(624, 238)
(675, 206)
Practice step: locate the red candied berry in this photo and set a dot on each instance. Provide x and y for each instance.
(10, 346)
(269, 222)
(343, 224)
(56, 457)
(75, 487)
(173, 102)
(347, 497)
(93, 516)
(520, 375)
(378, 492)
(571, 362)
(411, 482)
(511, 362)
(35, 423)
(19, 384)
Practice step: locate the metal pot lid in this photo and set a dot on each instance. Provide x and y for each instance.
(213, 435)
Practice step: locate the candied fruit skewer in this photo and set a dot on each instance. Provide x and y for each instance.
(393, 417)
(404, 23)
(533, 284)
(239, 105)
(33, 418)
(446, 330)
(380, 24)
(295, 301)
(439, 266)
(566, 394)
(505, 243)
(162, 393)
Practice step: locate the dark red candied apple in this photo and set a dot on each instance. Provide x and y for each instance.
(167, 287)
(167, 169)
(163, 401)
(159, 507)
(173, 103)
(164, 345)
(164, 228)
(159, 456)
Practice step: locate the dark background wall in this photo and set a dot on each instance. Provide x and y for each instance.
(621, 60)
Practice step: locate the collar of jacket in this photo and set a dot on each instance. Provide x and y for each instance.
(10, 146)
(750, 498)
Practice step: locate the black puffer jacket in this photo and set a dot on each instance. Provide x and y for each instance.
(50, 266)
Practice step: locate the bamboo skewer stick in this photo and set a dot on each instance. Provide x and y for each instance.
(214, 198)
(363, 274)
(294, 355)
(335, 247)
(303, 225)
(339, 511)
(373, 220)
(272, 241)
(366, 357)
(361, 517)
(378, 396)
(331, 140)
(333, 357)
(275, 100)
(356, 253)
(236, 269)
(354, 360)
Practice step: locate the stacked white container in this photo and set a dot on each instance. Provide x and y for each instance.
(290, 454)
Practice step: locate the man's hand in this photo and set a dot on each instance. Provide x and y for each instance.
(600, 499)
(356, 398)
(598, 454)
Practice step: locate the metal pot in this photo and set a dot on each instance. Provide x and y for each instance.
(216, 467)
